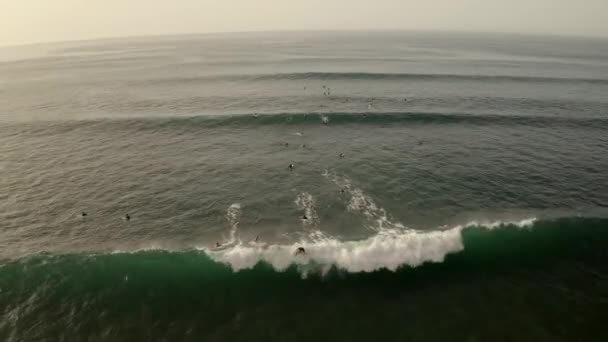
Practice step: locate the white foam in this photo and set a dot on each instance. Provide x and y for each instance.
(306, 203)
(233, 216)
(387, 249)
(525, 223)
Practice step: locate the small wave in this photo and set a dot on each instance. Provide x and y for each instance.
(370, 76)
(193, 123)
(422, 77)
(367, 118)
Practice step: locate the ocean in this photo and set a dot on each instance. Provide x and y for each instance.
(443, 187)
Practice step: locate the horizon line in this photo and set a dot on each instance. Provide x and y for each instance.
(210, 33)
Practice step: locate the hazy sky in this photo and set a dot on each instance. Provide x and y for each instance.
(26, 21)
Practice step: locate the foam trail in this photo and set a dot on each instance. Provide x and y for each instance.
(361, 203)
(233, 216)
(306, 203)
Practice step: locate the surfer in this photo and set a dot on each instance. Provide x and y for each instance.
(304, 217)
(218, 244)
(300, 250)
(127, 217)
(257, 237)
(83, 214)
(291, 166)
(341, 155)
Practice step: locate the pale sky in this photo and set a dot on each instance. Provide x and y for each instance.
(29, 21)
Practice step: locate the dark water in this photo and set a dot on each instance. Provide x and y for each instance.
(470, 201)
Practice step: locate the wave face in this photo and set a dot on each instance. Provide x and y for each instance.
(236, 292)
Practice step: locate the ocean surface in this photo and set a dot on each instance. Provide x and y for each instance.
(445, 187)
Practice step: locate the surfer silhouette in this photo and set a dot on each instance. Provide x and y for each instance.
(300, 250)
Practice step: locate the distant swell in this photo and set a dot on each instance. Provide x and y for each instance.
(190, 123)
(337, 118)
(366, 76)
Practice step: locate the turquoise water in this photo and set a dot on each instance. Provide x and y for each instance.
(443, 186)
